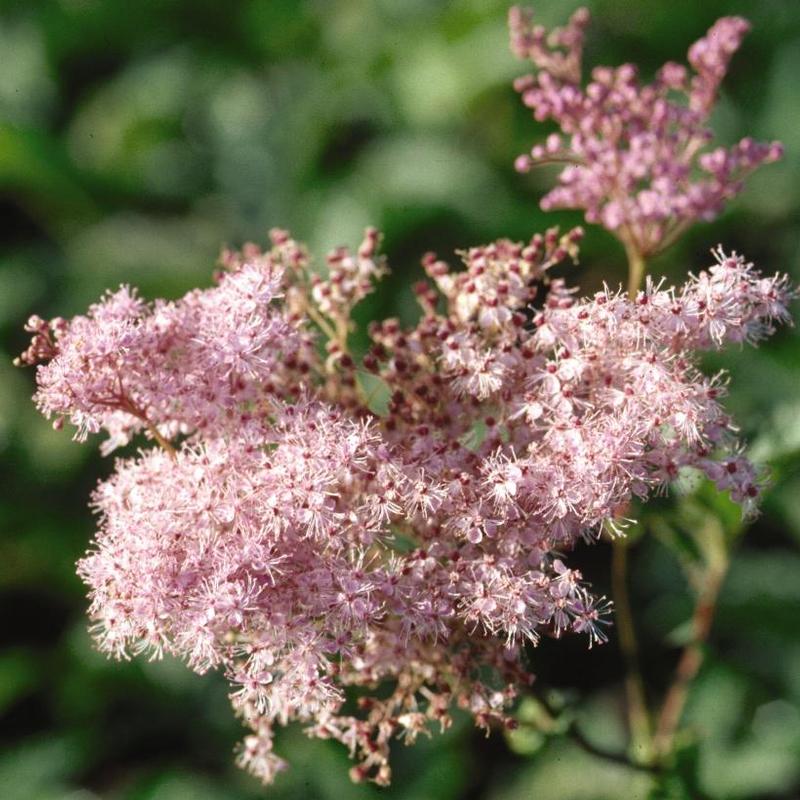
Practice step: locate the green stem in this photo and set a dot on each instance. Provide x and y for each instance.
(690, 662)
(637, 267)
(638, 717)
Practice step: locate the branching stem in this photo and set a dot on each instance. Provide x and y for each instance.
(126, 404)
(690, 662)
(657, 748)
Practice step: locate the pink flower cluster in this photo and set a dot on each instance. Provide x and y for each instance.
(400, 522)
(169, 368)
(636, 154)
(293, 535)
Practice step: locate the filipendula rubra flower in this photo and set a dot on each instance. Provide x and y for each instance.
(294, 530)
(637, 156)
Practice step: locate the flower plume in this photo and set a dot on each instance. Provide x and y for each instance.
(304, 537)
(637, 157)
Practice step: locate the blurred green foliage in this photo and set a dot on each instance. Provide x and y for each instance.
(136, 138)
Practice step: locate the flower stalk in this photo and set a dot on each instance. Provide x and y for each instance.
(689, 663)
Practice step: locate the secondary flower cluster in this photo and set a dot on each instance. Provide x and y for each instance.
(636, 153)
(305, 537)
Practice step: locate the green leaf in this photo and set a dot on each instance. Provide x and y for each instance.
(19, 673)
(564, 772)
(40, 173)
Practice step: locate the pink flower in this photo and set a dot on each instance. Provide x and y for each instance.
(304, 531)
(636, 154)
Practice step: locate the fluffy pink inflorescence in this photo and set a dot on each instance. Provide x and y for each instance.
(305, 537)
(173, 367)
(636, 155)
(401, 524)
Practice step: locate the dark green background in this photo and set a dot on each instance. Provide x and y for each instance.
(137, 137)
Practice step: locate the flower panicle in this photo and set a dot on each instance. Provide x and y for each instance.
(301, 541)
(636, 157)
(315, 519)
